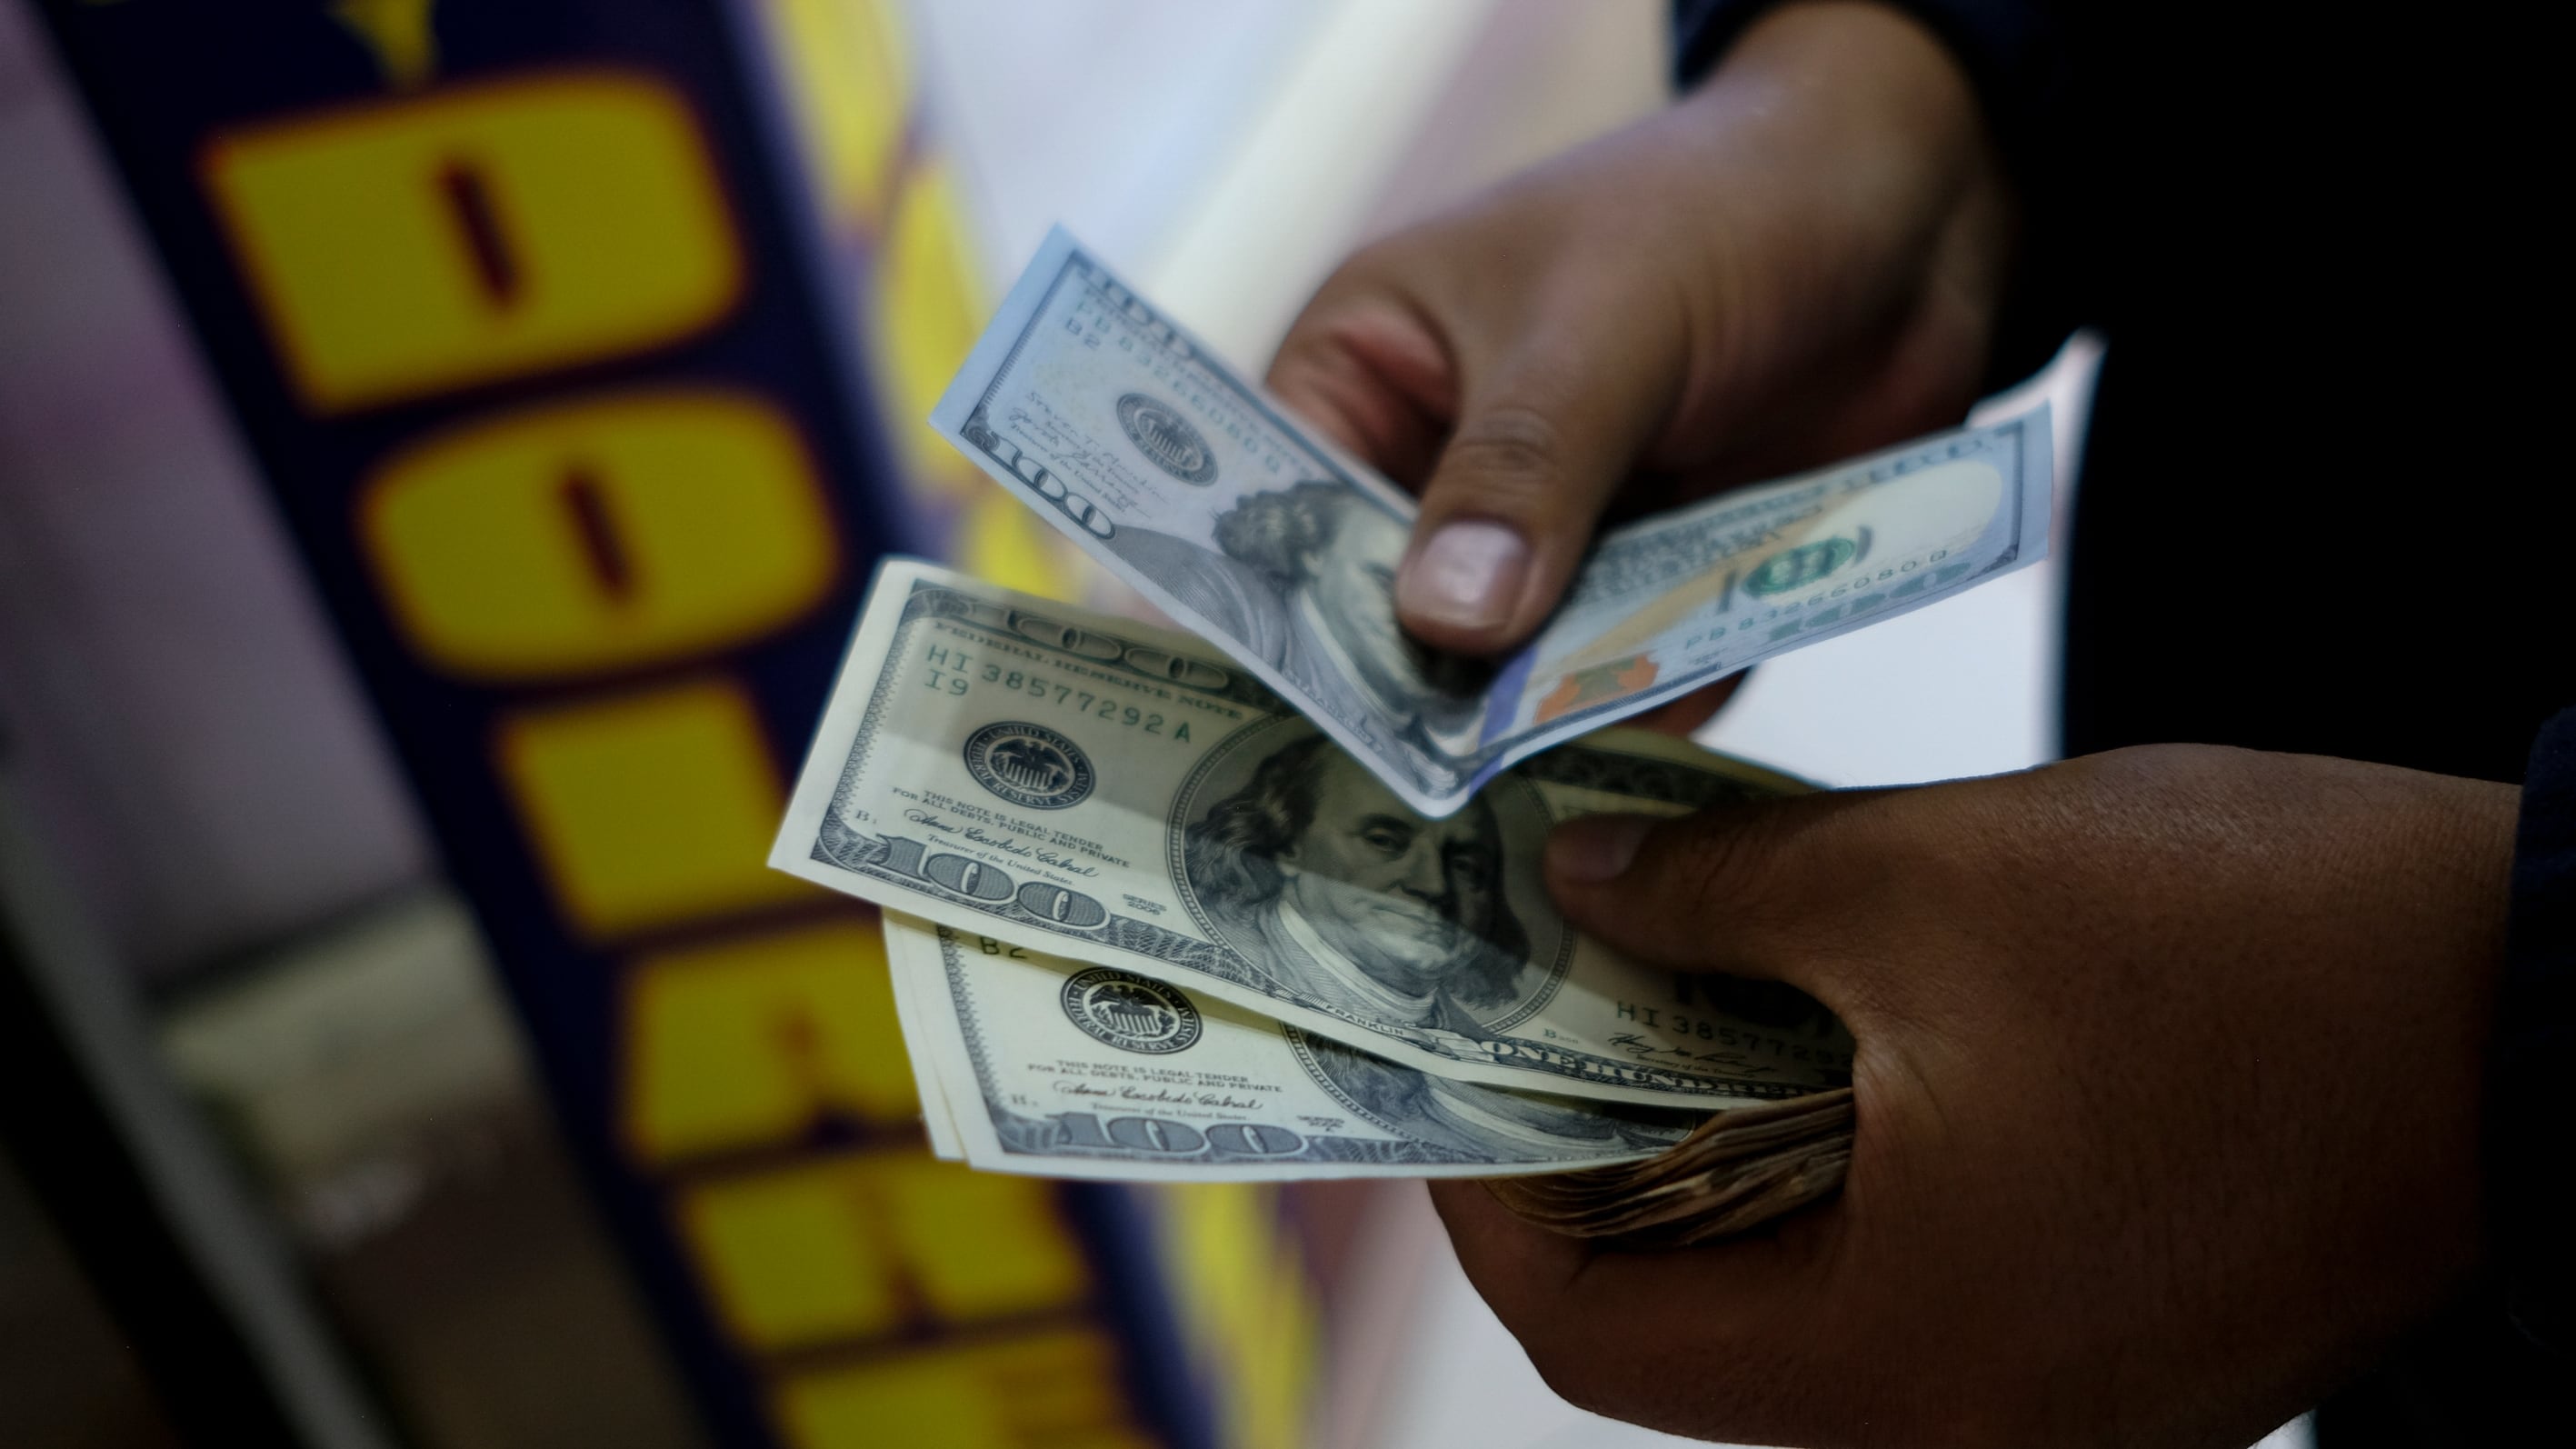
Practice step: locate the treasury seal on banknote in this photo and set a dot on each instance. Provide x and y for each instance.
(1130, 1012)
(1029, 764)
(1166, 438)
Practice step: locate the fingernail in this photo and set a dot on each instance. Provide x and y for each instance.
(1468, 575)
(1596, 848)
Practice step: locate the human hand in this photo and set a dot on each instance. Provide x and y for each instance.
(2168, 1095)
(1798, 262)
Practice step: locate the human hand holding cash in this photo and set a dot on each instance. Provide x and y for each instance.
(2172, 1059)
(1169, 912)
(1125, 949)
(1189, 482)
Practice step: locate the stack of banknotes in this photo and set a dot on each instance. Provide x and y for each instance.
(1262, 899)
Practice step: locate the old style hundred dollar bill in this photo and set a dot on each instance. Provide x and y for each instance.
(1037, 1064)
(1126, 797)
(1191, 483)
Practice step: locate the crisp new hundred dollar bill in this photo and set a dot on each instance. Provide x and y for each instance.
(1126, 797)
(1191, 483)
(1038, 1064)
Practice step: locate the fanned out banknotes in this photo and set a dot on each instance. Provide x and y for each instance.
(1146, 921)
(1265, 902)
(1189, 482)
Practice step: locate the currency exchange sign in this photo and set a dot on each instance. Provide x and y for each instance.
(514, 307)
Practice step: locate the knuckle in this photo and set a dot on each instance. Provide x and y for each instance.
(1800, 877)
(1306, 350)
(2161, 763)
(1511, 451)
(2213, 775)
(1730, 858)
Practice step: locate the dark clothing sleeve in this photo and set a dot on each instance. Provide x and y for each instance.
(2009, 49)
(2498, 1366)
(2532, 1064)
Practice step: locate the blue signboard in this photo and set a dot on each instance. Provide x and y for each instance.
(527, 317)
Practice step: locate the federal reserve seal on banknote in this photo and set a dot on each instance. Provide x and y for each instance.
(1130, 1012)
(1029, 764)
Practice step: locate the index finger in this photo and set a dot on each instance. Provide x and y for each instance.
(1373, 374)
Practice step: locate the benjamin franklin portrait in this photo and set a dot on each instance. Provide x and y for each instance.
(1304, 578)
(1318, 875)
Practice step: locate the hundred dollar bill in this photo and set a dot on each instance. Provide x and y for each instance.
(916, 1022)
(1063, 1069)
(1194, 485)
(1127, 797)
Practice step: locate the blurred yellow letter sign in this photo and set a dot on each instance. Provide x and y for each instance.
(597, 535)
(750, 1042)
(649, 809)
(483, 232)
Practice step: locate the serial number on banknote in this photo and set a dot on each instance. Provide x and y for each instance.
(955, 672)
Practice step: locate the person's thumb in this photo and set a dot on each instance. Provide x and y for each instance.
(1538, 453)
(1758, 890)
